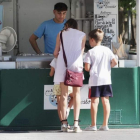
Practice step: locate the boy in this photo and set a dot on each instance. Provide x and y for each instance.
(99, 61)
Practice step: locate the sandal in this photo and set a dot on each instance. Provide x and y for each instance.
(77, 127)
(64, 126)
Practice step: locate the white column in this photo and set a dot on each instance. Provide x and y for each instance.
(138, 31)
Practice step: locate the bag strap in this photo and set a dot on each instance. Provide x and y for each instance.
(64, 55)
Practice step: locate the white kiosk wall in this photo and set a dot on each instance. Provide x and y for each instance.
(8, 15)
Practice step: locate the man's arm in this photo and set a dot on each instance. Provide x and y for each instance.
(34, 44)
(87, 66)
(113, 62)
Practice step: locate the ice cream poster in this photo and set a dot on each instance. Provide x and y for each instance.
(50, 100)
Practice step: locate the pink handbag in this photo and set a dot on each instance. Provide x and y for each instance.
(74, 79)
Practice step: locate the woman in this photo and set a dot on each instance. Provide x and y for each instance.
(74, 44)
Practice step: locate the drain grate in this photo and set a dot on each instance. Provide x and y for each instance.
(115, 117)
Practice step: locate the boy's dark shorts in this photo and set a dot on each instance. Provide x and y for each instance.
(101, 91)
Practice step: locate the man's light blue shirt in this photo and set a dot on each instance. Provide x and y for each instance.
(49, 29)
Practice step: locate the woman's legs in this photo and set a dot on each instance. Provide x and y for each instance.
(94, 109)
(106, 107)
(76, 104)
(59, 107)
(63, 101)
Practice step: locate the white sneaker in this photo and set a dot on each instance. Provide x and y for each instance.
(104, 128)
(91, 128)
(77, 129)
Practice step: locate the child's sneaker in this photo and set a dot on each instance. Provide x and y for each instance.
(104, 128)
(91, 128)
(77, 129)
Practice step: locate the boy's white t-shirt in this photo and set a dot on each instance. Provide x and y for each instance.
(100, 60)
(53, 64)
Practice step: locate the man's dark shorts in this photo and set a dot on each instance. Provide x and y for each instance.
(101, 91)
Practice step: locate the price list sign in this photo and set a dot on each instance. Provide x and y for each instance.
(106, 18)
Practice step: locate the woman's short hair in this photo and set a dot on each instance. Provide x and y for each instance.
(97, 35)
(71, 23)
(60, 6)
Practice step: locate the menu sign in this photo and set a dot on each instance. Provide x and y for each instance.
(106, 18)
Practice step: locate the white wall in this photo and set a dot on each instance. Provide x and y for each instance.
(8, 19)
(8, 14)
(31, 14)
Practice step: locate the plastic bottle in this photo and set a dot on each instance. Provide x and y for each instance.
(79, 22)
(78, 9)
(83, 9)
(73, 8)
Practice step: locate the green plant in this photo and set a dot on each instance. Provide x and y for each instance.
(128, 5)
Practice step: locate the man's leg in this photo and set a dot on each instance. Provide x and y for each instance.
(94, 109)
(106, 107)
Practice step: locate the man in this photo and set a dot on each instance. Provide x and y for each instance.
(49, 29)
